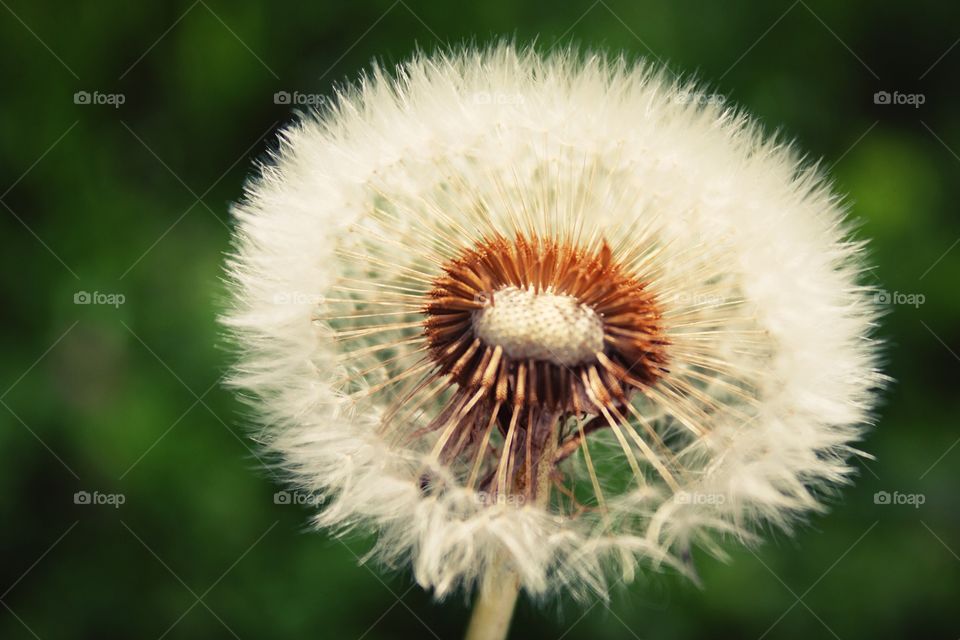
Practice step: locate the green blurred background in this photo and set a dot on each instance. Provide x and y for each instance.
(123, 401)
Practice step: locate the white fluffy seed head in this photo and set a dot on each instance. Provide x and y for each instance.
(540, 326)
(765, 377)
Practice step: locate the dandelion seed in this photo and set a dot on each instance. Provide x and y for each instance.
(528, 340)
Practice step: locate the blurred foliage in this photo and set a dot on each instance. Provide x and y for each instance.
(132, 200)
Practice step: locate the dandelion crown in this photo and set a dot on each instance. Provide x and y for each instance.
(539, 313)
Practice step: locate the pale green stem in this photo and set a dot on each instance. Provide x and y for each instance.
(494, 606)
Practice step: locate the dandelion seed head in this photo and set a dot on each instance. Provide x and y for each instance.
(579, 331)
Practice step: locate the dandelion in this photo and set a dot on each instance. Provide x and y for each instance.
(538, 322)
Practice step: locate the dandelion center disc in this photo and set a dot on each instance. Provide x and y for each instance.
(539, 326)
